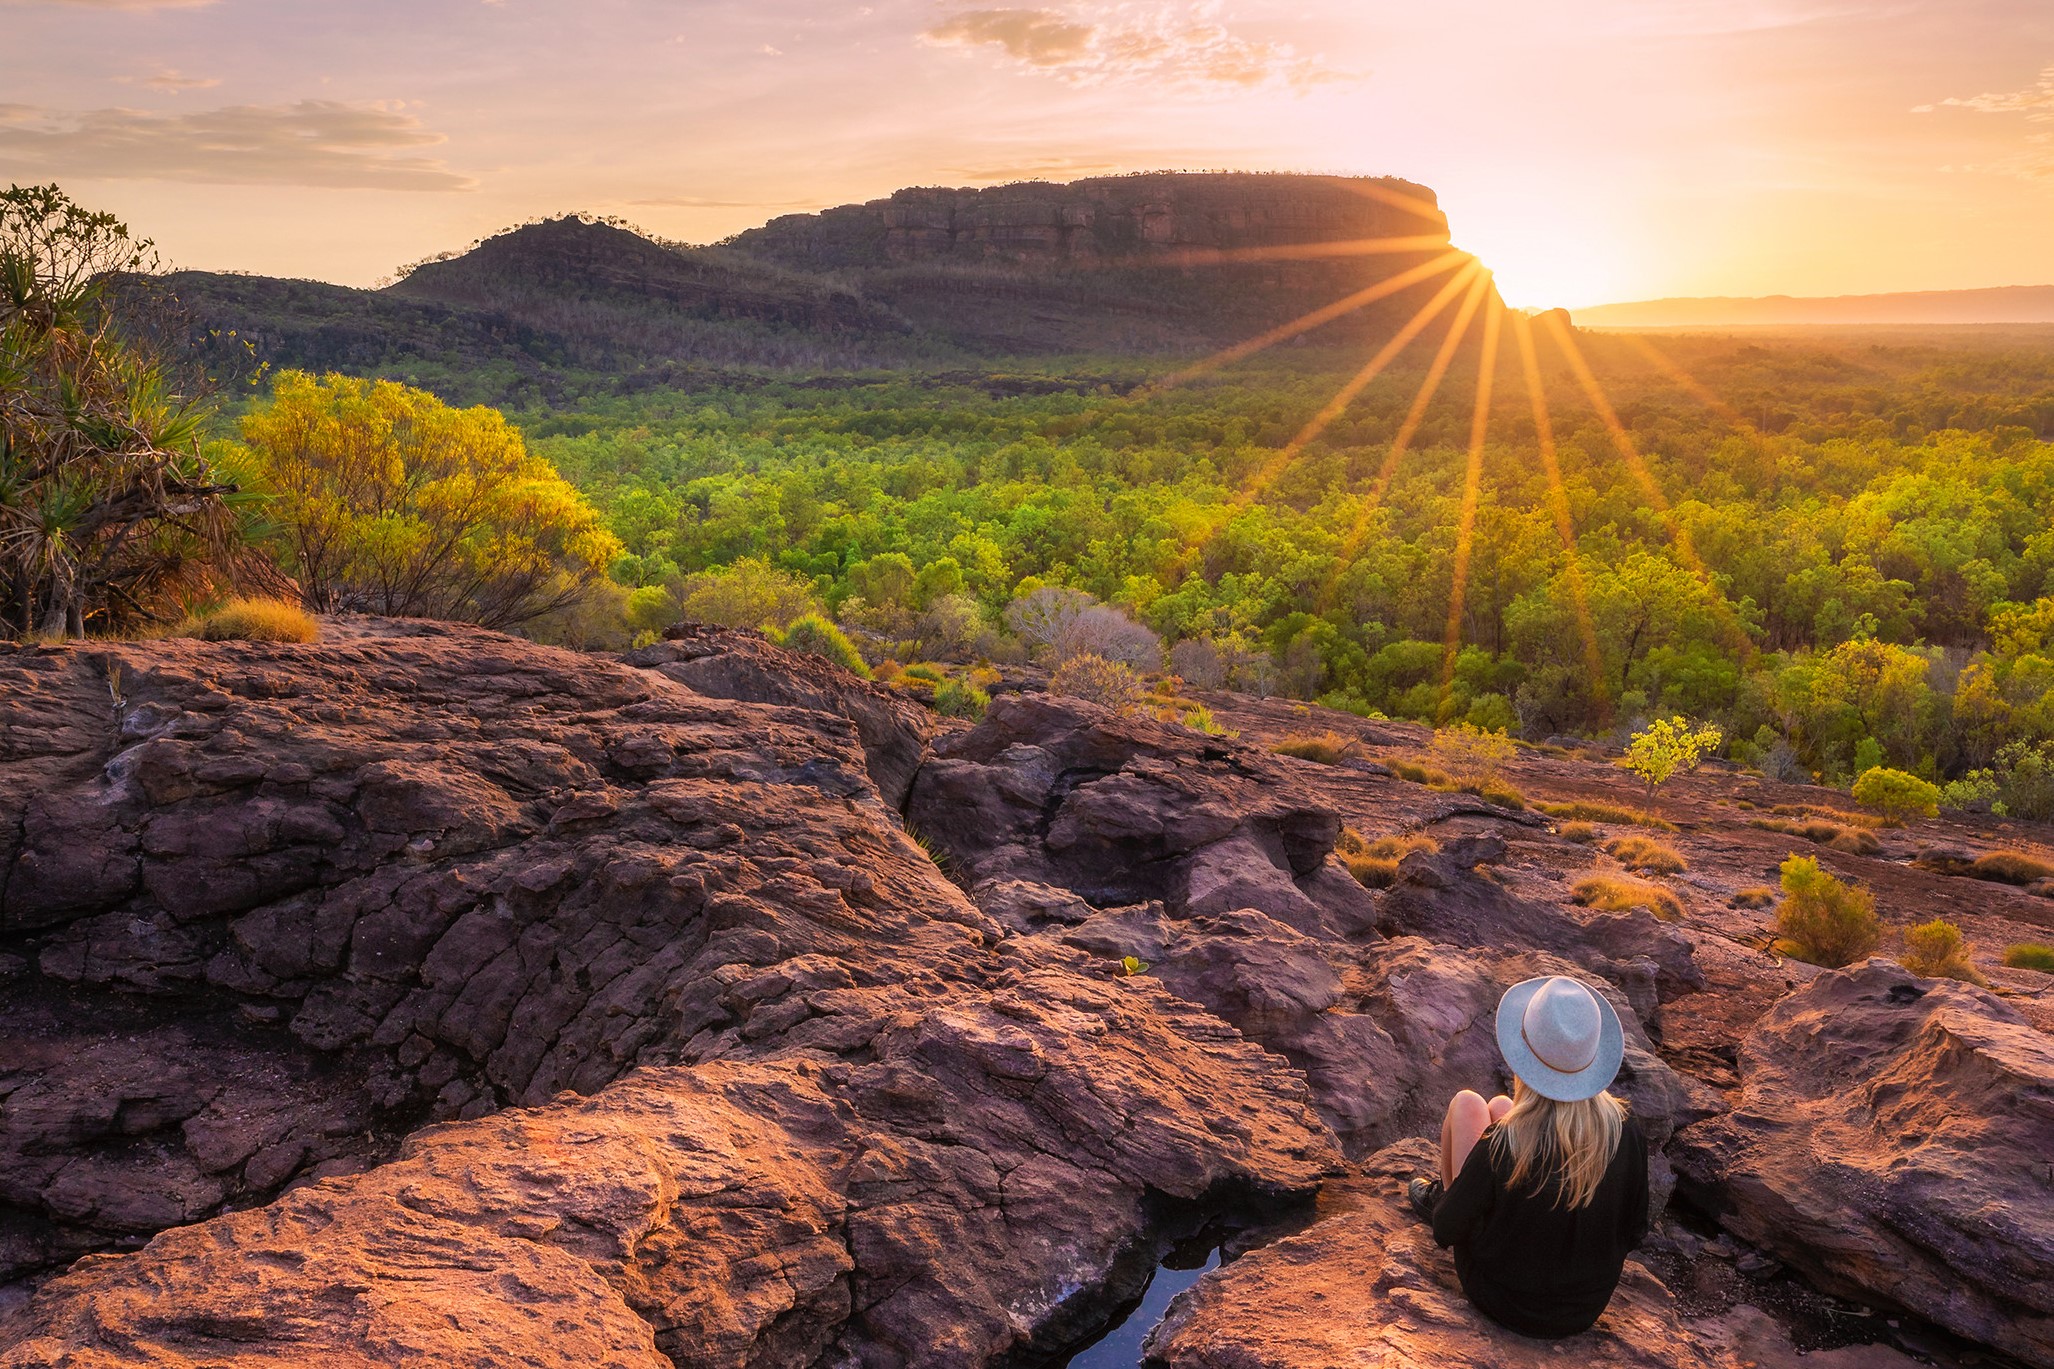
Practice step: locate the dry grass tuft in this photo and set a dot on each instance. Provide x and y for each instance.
(1759, 896)
(253, 620)
(1327, 748)
(1855, 841)
(1611, 894)
(2030, 955)
(1375, 863)
(1586, 811)
(2010, 867)
(1646, 855)
(1577, 831)
(1839, 815)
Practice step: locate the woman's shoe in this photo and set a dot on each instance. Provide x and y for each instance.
(1424, 1195)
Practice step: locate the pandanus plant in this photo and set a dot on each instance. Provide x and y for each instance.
(106, 505)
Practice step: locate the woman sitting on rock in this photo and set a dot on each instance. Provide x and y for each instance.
(1543, 1193)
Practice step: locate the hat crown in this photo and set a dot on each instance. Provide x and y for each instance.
(1562, 1025)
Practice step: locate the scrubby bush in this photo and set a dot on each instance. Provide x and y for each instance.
(2025, 779)
(254, 620)
(1469, 753)
(1200, 662)
(2030, 955)
(1611, 894)
(1577, 831)
(960, 699)
(1935, 950)
(1823, 920)
(1897, 794)
(1328, 748)
(1583, 810)
(1646, 855)
(2010, 867)
(1097, 680)
(1973, 792)
(815, 636)
(1757, 896)
(1375, 863)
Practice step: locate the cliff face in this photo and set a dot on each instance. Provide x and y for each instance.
(1137, 219)
(1125, 264)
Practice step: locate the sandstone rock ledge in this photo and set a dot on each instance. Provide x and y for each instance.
(1364, 1287)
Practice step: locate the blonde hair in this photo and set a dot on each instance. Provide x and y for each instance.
(1567, 1144)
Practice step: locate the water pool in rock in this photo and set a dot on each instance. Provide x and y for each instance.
(1119, 1345)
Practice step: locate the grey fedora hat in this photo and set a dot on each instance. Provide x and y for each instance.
(1561, 1039)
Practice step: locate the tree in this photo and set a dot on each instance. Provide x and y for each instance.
(1039, 616)
(1101, 630)
(106, 504)
(749, 594)
(1668, 747)
(393, 502)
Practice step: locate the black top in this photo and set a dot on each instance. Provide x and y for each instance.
(1530, 1264)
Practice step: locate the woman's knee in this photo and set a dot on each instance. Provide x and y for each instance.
(1468, 1104)
(1500, 1106)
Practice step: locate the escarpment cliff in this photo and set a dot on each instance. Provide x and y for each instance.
(1169, 263)
(422, 995)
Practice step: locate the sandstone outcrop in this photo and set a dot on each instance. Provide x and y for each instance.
(1892, 1139)
(418, 873)
(1365, 1285)
(1124, 810)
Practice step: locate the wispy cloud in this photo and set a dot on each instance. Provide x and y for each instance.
(321, 143)
(170, 82)
(2036, 159)
(1187, 46)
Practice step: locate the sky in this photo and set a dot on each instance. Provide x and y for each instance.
(1589, 152)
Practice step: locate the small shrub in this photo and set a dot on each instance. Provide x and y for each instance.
(1327, 748)
(960, 699)
(1646, 855)
(1897, 794)
(2030, 955)
(1200, 719)
(1759, 896)
(926, 670)
(1973, 792)
(813, 635)
(1375, 863)
(2010, 867)
(1611, 894)
(254, 620)
(1825, 921)
(1584, 811)
(1577, 831)
(1935, 950)
(646, 637)
(1097, 680)
(884, 672)
(1469, 753)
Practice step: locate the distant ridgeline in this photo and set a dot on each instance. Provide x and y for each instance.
(1156, 264)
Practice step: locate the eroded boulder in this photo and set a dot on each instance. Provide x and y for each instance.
(1891, 1141)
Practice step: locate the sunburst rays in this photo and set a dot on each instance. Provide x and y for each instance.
(1306, 322)
(1472, 490)
(1558, 506)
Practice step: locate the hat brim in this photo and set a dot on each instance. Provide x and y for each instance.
(1536, 1073)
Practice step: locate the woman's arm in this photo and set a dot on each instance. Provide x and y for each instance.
(1467, 1202)
(1636, 1207)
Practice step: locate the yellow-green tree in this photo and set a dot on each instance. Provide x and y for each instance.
(1668, 747)
(392, 502)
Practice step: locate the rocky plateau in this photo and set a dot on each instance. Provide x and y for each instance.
(422, 995)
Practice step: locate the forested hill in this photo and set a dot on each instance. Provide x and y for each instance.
(1156, 265)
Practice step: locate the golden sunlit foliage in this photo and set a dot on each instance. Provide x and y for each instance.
(393, 502)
